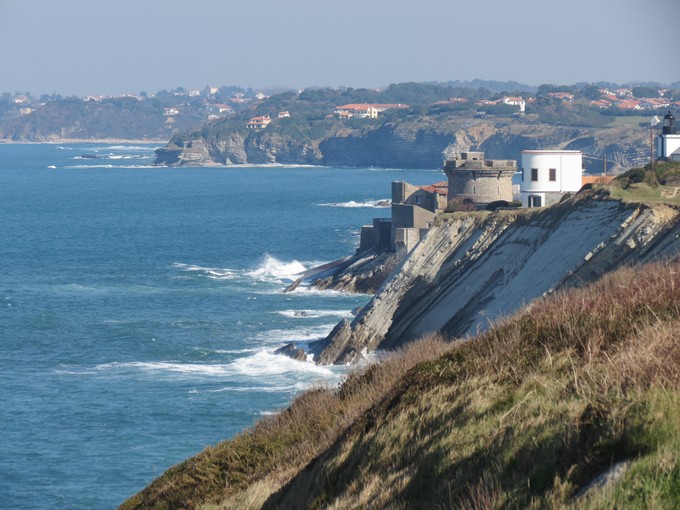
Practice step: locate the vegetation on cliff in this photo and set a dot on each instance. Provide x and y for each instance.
(525, 415)
(439, 119)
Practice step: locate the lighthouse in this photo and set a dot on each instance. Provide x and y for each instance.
(669, 140)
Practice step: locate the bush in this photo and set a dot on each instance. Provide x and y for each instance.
(461, 204)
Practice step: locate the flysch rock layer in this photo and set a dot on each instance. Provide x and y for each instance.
(474, 269)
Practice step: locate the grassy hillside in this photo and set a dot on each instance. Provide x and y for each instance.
(660, 185)
(526, 415)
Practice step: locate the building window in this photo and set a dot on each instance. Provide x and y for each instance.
(534, 174)
(522, 174)
(534, 201)
(419, 200)
(553, 174)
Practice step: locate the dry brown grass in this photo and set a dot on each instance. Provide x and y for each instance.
(278, 446)
(522, 416)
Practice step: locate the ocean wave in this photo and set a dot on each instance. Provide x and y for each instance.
(375, 204)
(314, 314)
(302, 334)
(126, 148)
(213, 273)
(285, 388)
(261, 365)
(106, 166)
(271, 267)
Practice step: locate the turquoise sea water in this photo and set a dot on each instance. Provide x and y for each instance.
(139, 308)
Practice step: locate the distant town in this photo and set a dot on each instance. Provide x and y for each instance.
(164, 113)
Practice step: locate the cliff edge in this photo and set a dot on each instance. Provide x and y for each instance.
(475, 268)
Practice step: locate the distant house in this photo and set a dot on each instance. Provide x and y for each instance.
(628, 104)
(453, 100)
(602, 103)
(21, 100)
(259, 122)
(515, 101)
(170, 111)
(194, 93)
(624, 92)
(25, 111)
(512, 101)
(564, 96)
(364, 110)
(284, 115)
(652, 103)
(219, 108)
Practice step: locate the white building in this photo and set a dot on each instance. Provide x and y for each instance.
(547, 175)
(669, 140)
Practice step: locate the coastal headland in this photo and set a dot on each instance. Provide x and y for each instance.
(535, 362)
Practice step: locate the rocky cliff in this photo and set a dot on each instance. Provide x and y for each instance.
(418, 142)
(474, 268)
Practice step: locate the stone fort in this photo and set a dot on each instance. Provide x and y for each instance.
(470, 176)
(481, 180)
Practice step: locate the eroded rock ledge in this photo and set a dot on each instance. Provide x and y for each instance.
(475, 268)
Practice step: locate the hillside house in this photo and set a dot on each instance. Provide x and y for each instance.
(516, 101)
(364, 110)
(284, 115)
(547, 175)
(259, 122)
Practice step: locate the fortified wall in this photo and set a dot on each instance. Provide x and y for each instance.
(483, 181)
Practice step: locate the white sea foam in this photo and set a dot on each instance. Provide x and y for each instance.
(271, 267)
(267, 364)
(262, 365)
(314, 314)
(106, 166)
(127, 148)
(276, 337)
(296, 387)
(213, 273)
(375, 204)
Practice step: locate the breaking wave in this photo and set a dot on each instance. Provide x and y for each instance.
(271, 267)
(375, 204)
(314, 314)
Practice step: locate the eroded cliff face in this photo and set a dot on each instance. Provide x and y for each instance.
(474, 269)
(238, 149)
(417, 143)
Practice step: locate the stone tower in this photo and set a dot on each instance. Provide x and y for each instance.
(481, 180)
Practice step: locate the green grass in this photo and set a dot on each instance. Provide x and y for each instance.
(635, 120)
(643, 185)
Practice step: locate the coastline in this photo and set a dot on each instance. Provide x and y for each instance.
(81, 140)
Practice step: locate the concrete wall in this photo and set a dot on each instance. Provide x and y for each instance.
(410, 216)
(405, 193)
(377, 236)
(481, 180)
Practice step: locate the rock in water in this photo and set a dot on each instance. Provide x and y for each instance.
(292, 352)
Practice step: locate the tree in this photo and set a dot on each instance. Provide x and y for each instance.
(645, 91)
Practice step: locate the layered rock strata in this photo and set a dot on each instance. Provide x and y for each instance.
(475, 268)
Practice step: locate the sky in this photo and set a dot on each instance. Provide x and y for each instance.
(81, 47)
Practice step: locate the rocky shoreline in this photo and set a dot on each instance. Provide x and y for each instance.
(475, 268)
(408, 144)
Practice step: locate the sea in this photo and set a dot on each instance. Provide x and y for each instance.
(140, 307)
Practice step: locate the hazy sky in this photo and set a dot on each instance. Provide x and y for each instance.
(104, 46)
